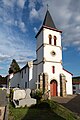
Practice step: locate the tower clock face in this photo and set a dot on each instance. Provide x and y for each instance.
(53, 53)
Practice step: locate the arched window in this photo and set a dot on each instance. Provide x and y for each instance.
(50, 39)
(55, 38)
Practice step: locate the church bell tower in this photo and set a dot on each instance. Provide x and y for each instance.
(49, 53)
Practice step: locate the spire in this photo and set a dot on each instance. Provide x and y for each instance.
(48, 21)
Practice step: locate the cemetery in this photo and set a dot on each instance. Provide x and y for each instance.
(23, 107)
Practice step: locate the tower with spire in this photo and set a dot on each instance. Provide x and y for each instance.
(48, 71)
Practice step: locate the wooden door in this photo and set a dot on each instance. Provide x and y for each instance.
(53, 88)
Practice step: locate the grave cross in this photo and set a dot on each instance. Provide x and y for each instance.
(37, 83)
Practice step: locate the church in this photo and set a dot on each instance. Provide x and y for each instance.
(46, 72)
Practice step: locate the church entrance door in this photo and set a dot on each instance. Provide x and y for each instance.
(53, 88)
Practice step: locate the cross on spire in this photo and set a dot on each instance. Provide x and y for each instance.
(47, 6)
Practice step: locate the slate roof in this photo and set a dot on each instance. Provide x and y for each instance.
(48, 20)
(48, 23)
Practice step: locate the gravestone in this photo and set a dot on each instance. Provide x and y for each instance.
(19, 94)
(22, 98)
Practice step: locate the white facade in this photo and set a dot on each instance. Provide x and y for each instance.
(14, 80)
(45, 59)
(69, 89)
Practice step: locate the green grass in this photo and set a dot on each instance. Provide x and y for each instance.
(17, 113)
(48, 110)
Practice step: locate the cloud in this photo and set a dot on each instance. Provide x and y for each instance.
(3, 57)
(21, 25)
(35, 30)
(13, 47)
(11, 13)
(21, 3)
(64, 48)
(1, 68)
(32, 4)
(12, 3)
(14, 39)
(9, 2)
(67, 18)
(34, 14)
(37, 11)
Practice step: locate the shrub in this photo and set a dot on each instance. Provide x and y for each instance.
(44, 105)
(11, 94)
(37, 94)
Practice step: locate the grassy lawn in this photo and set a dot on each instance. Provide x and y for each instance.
(48, 110)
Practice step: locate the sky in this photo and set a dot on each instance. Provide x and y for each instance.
(20, 21)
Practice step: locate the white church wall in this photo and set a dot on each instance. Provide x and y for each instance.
(30, 73)
(15, 80)
(33, 85)
(51, 75)
(48, 53)
(24, 78)
(31, 81)
(39, 39)
(40, 55)
(68, 83)
(48, 69)
(39, 69)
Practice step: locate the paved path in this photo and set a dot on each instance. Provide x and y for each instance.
(70, 102)
(3, 104)
(3, 99)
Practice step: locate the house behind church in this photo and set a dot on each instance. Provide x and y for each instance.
(46, 72)
(76, 85)
(22, 78)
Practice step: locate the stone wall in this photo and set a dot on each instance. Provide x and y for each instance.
(62, 85)
(43, 79)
